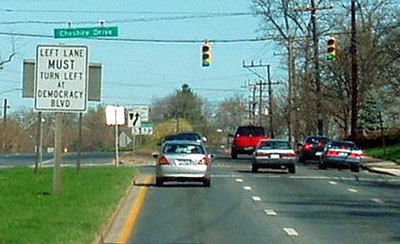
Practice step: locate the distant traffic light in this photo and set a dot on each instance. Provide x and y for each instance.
(206, 57)
(331, 48)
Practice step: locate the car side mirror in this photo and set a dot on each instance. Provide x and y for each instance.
(211, 156)
(204, 139)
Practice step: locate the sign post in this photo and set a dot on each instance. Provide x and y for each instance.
(60, 86)
(115, 115)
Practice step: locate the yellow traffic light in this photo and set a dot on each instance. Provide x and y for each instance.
(206, 54)
(331, 48)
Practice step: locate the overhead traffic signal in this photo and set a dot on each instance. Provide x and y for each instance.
(206, 54)
(331, 48)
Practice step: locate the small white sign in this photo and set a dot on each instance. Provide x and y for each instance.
(115, 115)
(61, 78)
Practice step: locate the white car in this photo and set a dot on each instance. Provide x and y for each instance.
(274, 154)
(181, 160)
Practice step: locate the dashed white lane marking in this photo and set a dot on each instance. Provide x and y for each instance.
(247, 188)
(270, 212)
(256, 198)
(291, 231)
(333, 182)
(352, 190)
(239, 180)
(377, 200)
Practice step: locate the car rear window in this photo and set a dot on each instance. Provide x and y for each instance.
(342, 145)
(183, 149)
(253, 131)
(274, 145)
(316, 140)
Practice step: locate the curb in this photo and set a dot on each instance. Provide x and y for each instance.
(106, 228)
(377, 170)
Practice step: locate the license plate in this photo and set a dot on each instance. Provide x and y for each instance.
(342, 154)
(318, 153)
(275, 156)
(248, 148)
(184, 162)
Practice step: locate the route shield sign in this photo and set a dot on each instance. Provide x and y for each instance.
(61, 78)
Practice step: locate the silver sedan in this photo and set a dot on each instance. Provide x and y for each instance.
(274, 154)
(183, 161)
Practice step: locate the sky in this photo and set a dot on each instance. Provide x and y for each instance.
(138, 72)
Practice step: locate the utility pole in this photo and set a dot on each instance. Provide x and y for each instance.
(354, 73)
(260, 84)
(313, 9)
(252, 100)
(5, 107)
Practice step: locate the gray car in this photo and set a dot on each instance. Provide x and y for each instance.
(183, 161)
(274, 154)
(341, 154)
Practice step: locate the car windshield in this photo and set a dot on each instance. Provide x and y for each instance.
(342, 145)
(183, 149)
(254, 131)
(274, 145)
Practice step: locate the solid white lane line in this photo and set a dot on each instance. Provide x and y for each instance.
(352, 190)
(332, 182)
(291, 231)
(247, 188)
(256, 198)
(377, 200)
(270, 212)
(239, 180)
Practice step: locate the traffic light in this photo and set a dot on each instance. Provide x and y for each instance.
(331, 48)
(206, 57)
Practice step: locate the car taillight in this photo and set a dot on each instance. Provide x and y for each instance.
(261, 154)
(321, 144)
(163, 161)
(204, 161)
(289, 155)
(332, 153)
(307, 146)
(355, 155)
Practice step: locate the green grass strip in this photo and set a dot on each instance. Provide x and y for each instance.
(30, 213)
(392, 153)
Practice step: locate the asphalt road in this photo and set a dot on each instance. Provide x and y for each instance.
(311, 206)
(68, 159)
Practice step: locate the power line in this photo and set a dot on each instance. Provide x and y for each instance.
(266, 38)
(117, 21)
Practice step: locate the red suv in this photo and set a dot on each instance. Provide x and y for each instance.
(246, 139)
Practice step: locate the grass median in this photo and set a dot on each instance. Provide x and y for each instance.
(30, 213)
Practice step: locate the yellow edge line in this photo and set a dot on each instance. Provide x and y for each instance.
(133, 215)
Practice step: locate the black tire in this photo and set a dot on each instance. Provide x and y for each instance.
(233, 154)
(321, 165)
(207, 182)
(355, 169)
(254, 169)
(159, 181)
(292, 169)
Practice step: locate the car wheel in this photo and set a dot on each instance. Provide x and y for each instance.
(355, 169)
(254, 169)
(301, 160)
(292, 169)
(159, 181)
(233, 155)
(207, 182)
(321, 165)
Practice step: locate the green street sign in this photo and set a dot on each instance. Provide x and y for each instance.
(86, 32)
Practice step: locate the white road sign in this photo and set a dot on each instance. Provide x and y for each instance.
(61, 78)
(115, 115)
